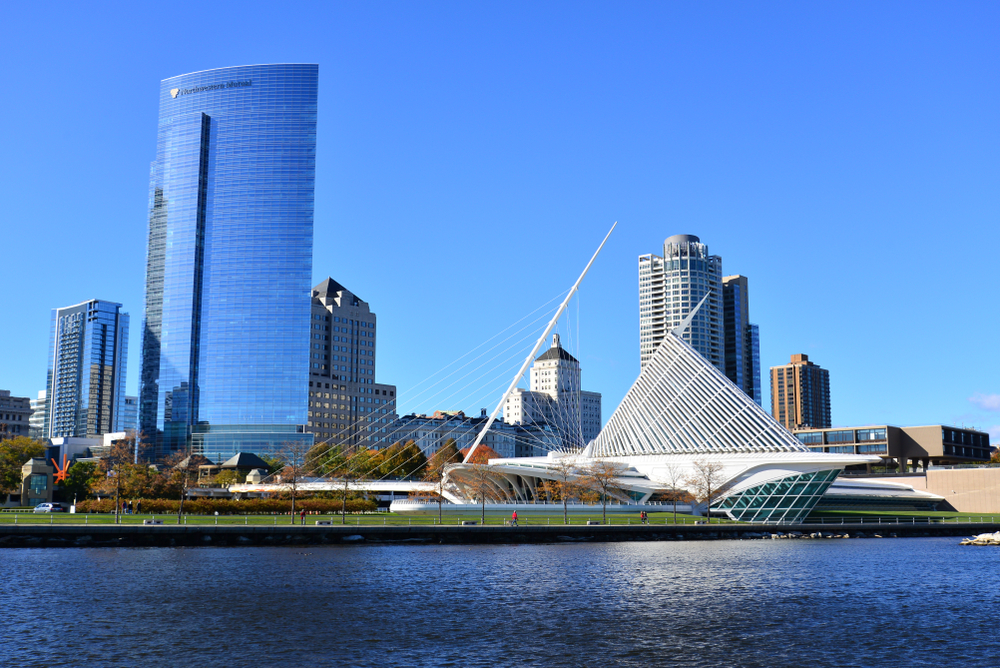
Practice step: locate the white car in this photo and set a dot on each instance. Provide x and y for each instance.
(48, 508)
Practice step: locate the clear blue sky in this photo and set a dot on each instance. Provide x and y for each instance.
(844, 156)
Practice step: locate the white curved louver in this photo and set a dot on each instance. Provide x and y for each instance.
(682, 404)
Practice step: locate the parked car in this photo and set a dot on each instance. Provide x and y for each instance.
(48, 508)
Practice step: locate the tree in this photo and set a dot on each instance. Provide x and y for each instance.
(434, 471)
(481, 481)
(80, 477)
(675, 476)
(602, 477)
(565, 483)
(414, 460)
(182, 465)
(115, 466)
(707, 483)
(402, 460)
(14, 453)
(482, 455)
(296, 466)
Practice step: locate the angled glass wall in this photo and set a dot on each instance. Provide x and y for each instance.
(786, 500)
(229, 265)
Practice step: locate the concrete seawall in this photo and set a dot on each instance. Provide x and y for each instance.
(40, 535)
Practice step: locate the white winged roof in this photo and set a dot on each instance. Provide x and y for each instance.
(681, 404)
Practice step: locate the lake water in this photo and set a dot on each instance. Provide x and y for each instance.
(889, 602)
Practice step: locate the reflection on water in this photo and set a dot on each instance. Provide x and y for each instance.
(903, 602)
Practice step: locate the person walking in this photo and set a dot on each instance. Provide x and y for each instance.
(302, 515)
(513, 519)
(138, 506)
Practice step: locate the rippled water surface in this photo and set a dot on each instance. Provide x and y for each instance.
(902, 602)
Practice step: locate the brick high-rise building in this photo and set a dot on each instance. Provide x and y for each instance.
(800, 394)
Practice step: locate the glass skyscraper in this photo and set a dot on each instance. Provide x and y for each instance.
(742, 338)
(85, 385)
(670, 286)
(225, 350)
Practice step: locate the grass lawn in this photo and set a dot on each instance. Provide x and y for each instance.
(853, 516)
(377, 519)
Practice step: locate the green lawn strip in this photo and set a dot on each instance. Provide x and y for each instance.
(853, 516)
(372, 519)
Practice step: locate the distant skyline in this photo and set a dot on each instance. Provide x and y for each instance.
(470, 157)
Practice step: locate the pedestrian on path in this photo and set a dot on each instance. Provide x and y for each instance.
(303, 516)
(513, 519)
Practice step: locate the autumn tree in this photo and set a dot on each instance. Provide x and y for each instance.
(116, 465)
(706, 483)
(293, 455)
(482, 455)
(349, 466)
(565, 483)
(181, 466)
(481, 480)
(602, 477)
(675, 477)
(14, 453)
(434, 471)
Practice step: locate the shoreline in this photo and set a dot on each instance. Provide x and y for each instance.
(172, 535)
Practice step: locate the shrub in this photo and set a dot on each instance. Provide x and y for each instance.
(232, 506)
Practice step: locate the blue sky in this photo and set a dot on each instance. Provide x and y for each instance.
(471, 156)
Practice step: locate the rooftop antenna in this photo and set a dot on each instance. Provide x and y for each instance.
(531, 356)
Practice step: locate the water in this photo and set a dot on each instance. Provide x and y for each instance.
(902, 602)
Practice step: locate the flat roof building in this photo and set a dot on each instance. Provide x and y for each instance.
(902, 448)
(800, 394)
(15, 415)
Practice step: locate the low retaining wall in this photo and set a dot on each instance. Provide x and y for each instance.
(40, 535)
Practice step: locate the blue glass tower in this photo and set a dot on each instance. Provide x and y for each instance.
(85, 385)
(225, 350)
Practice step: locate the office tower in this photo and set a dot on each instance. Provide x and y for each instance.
(39, 409)
(670, 286)
(556, 399)
(225, 347)
(15, 415)
(742, 340)
(85, 390)
(346, 406)
(130, 414)
(800, 394)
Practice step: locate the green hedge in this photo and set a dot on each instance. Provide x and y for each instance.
(232, 507)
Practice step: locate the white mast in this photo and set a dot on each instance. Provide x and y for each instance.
(538, 344)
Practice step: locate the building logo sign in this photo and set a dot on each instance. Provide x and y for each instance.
(177, 92)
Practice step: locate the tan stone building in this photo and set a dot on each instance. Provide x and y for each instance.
(346, 406)
(15, 415)
(800, 394)
(36, 482)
